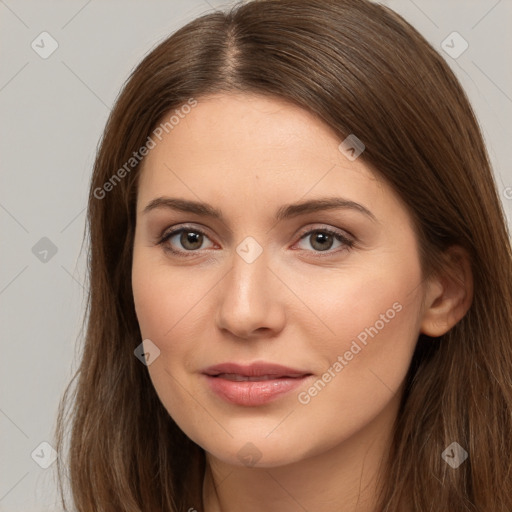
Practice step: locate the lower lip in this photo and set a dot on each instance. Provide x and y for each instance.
(253, 393)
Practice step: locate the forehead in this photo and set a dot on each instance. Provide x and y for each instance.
(242, 126)
(253, 148)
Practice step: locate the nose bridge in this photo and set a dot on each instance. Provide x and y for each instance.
(249, 298)
(250, 269)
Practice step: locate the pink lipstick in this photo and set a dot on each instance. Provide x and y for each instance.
(254, 384)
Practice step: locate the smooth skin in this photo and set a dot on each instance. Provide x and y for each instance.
(300, 303)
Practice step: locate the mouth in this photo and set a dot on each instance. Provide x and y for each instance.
(261, 369)
(255, 384)
(236, 377)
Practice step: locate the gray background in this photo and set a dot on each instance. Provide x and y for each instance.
(53, 111)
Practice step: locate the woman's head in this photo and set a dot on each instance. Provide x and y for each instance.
(256, 286)
(272, 104)
(259, 284)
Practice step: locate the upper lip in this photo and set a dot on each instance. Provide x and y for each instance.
(257, 369)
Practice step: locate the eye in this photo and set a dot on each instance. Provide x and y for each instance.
(323, 239)
(191, 240)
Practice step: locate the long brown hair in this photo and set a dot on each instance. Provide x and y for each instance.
(365, 71)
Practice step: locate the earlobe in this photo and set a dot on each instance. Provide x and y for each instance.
(449, 294)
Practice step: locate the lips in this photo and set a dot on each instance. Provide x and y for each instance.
(244, 378)
(263, 371)
(255, 384)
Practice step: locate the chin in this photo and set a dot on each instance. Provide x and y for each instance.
(260, 453)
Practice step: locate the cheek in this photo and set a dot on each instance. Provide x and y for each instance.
(165, 313)
(374, 315)
(150, 303)
(173, 314)
(162, 299)
(375, 302)
(364, 366)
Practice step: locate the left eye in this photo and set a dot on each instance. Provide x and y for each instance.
(192, 239)
(323, 239)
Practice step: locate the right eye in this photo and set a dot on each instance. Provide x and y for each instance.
(191, 240)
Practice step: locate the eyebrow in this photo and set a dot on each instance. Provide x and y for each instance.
(284, 212)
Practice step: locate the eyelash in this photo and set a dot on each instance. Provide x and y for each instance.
(348, 244)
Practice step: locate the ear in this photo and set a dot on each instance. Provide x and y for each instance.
(448, 294)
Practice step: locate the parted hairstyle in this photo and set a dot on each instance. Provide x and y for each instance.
(362, 70)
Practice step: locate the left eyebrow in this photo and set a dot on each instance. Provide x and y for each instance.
(284, 212)
(315, 205)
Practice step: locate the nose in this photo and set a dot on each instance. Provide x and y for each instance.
(251, 300)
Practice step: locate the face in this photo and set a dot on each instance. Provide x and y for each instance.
(312, 309)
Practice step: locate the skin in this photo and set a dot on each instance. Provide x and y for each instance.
(296, 305)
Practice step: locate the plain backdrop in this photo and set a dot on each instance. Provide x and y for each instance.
(52, 113)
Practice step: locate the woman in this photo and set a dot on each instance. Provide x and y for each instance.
(301, 277)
